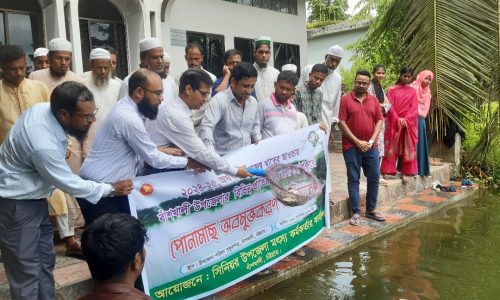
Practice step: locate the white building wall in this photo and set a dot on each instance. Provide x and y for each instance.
(318, 45)
(231, 20)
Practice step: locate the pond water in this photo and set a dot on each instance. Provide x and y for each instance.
(452, 254)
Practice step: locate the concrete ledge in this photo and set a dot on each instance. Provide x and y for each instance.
(339, 200)
(343, 237)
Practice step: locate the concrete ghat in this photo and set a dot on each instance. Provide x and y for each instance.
(343, 237)
(402, 204)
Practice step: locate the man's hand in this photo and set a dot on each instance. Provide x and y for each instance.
(171, 151)
(226, 71)
(363, 146)
(322, 126)
(196, 166)
(123, 187)
(242, 172)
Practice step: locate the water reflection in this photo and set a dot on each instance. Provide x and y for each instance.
(452, 254)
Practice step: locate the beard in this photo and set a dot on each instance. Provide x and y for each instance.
(79, 134)
(100, 81)
(282, 98)
(147, 109)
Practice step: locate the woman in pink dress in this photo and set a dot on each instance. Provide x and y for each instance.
(401, 128)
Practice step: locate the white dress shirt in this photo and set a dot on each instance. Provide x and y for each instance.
(169, 88)
(266, 77)
(227, 126)
(332, 90)
(119, 145)
(32, 160)
(174, 127)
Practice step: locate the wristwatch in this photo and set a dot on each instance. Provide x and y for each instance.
(370, 142)
(113, 192)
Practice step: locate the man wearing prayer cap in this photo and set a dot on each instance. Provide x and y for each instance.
(41, 59)
(266, 75)
(59, 55)
(331, 87)
(100, 83)
(151, 55)
(61, 204)
(169, 82)
(289, 67)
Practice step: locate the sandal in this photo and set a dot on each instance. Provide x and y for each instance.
(355, 220)
(449, 189)
(383, 182)
(300, 253)
(405, 179)
(375, 216)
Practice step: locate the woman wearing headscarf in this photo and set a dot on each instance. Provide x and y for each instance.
(424, 95)
(377, 90)
(401, 131)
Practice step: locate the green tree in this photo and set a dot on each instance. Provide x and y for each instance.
(459, 41)
(328, 10)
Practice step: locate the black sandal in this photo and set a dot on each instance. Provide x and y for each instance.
(375, 216)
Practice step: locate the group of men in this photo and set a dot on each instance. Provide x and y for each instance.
(88, 135)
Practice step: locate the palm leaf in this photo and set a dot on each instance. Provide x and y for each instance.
(453, 38)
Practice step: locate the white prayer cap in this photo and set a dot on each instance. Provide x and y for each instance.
(60, 44)
(166, 57)
(40, 52)
(149, 43)
(99, 53)
(335, 50)
(289, 67)
(262, 40)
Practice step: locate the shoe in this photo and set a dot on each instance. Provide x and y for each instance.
(449, 189)
(74, 247)
(436, 185)
(355, 220)
(375, 216)
(466, 182)
(383, 182)
(264, 272)
(300, 253)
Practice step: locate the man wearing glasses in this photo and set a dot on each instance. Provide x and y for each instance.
(31, 165)
(174, 125)
(63, 206)
(122, 141)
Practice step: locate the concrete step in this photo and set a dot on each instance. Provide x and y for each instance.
(395, 190)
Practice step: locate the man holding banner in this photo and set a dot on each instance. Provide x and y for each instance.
(122, 139)
(175, 126)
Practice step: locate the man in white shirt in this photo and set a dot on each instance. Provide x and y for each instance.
(231, 118)
(100, 83)
(267, 75)
(194, 60)
(152, 57)
(332, 87)
(32, 164)
(174, 126)
(123, 140)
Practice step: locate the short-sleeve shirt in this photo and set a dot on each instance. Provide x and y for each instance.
(359, 116)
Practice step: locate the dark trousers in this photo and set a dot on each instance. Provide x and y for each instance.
(118, 204)
(369, 161)
(27, 245)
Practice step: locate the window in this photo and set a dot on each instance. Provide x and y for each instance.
(284, 6)
(102, 25)
(213, 50)
(21, 24)
(286, 54)
(246, 48)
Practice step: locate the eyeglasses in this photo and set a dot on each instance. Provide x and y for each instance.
(204, 94)
(158, 93)
(89, 118)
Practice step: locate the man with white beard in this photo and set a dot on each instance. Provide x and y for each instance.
(332, 86)
(100, 83)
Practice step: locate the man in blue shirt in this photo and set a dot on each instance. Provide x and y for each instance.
(32, 165)
(232, 57)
